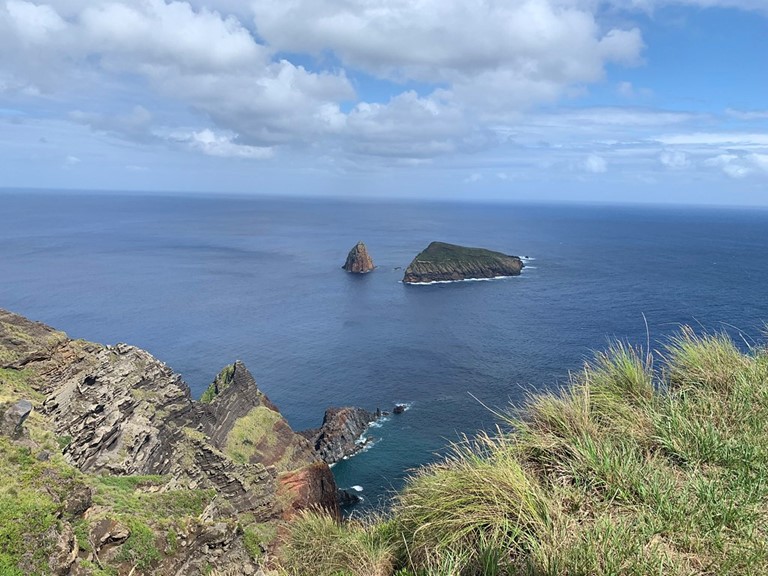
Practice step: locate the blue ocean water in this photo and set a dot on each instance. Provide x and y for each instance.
(202, 281)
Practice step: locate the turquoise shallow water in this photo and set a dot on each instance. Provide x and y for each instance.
(202, 281)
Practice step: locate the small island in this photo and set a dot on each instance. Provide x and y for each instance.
(358, 260)
(442, 262)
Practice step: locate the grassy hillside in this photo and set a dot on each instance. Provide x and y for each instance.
(444, 253)
(633, 469)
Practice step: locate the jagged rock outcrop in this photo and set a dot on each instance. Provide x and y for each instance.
(442, 262)
(242, 422)
(358, 260)
(341, 434)
(118, 411)
(12, 417)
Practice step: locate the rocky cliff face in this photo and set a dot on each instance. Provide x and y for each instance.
(116, 423)
(358, 260)
(341, 434)
(441, 262)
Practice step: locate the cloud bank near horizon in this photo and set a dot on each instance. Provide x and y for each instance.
(367, 85)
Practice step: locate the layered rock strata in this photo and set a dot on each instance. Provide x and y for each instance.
(116, 411)
(358, 260)
(442, 262)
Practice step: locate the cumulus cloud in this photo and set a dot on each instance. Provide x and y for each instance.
(223, 145)
(251, 78)
(740, 165)
(208, 61)
(494, 55)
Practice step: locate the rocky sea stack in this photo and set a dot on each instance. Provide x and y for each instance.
(358, 260)
(442, 262)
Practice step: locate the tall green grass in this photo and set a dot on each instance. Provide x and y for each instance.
(639, 466)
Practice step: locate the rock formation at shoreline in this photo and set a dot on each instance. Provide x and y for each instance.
(123, 452)
(358, 260)
(340, 435)
(442, 262)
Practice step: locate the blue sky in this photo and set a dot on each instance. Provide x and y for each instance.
(575, 100)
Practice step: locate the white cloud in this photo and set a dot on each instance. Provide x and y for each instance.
(156, 34)
(489, 54)
(235, 79)
(33, 23)
(747, 114)
(674, 159)
(736, 139)
(595, 164)
(222, 145)
(740, 165)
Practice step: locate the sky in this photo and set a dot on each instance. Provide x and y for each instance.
(521, 100)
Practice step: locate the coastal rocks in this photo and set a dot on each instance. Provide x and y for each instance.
(399, 408)
(12, 417)
(309, 487)
(348, 499)
(358, 260)
(442, 262)
(120, 411)
(341, 434)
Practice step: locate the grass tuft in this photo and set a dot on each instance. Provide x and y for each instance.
(317, 545)
(632, 469)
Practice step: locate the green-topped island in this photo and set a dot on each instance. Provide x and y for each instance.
(443, 262)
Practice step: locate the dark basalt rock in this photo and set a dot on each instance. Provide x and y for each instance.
(399, 408)
(442, 262)
(340, 436)
(348, 498)
(358, 260)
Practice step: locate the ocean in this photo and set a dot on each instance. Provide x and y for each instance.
(201, 281)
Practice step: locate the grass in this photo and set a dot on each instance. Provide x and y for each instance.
(141, 497)
(31, 508)
(253, 431)
(442, 253)
(639, 466)
(219, 384)
(15, 385)
(320, 546)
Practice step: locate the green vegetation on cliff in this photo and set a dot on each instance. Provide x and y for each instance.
(632, 469)
(220, 383)
(444, 253)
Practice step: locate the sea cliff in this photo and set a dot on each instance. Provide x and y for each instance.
(109, 466)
